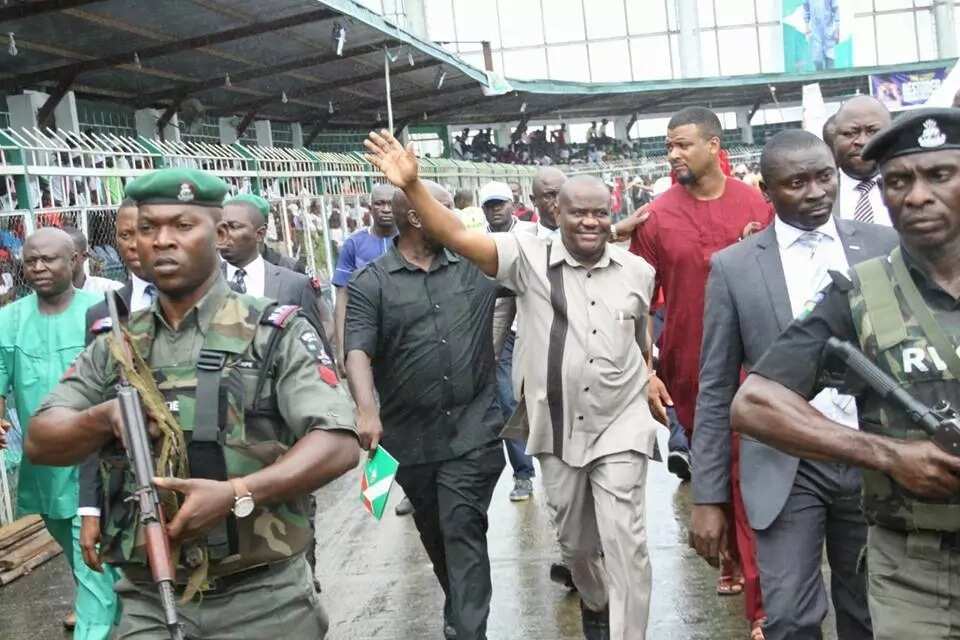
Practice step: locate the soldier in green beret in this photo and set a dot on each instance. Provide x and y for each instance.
(903, 312)
(252, 389)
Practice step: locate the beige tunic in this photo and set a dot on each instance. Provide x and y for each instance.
(578, 366)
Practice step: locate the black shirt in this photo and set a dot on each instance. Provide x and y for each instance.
(430, 337)
(796, 360)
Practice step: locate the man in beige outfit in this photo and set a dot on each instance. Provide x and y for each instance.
(581, 376)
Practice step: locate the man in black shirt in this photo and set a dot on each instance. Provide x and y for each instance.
(903, 311)
(419, 334)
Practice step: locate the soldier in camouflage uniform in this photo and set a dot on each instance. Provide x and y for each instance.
(259, 415)
(903, 311)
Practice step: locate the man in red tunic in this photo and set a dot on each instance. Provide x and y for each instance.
(701, 214)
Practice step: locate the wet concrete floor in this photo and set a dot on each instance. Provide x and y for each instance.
(378, 583)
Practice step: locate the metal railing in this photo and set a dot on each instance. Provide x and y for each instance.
(58, 178)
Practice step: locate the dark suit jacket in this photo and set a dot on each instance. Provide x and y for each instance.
(275, 257)
(747, 307)
(89, 478)
(289, 287)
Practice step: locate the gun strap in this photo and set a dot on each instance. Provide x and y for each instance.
(883, 308)
(946, 348)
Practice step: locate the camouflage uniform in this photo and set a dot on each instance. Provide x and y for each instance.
(913, 556)
(259, 585)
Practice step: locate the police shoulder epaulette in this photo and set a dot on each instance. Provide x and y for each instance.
(841, 280)
(280, 315)
(103, 325)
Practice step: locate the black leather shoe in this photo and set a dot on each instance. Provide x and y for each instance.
(560, 574)
(449, 633)
(596, 624)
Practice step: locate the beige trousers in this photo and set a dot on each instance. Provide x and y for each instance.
(602, 506)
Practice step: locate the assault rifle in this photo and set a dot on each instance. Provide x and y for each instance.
(941, 422)
(137, 444)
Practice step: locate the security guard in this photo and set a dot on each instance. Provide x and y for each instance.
(265, 418)
(903, 312)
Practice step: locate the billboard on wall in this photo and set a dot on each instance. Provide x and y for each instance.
(904, 90)
(817, 35)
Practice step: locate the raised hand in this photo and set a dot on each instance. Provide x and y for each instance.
(385, 152)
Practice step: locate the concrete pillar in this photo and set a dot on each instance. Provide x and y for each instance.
(620, 128)
(264, 133)
(943, 12)
(502, 133)
(23, 109)
(743, 123)
(65, 114)
(416, 15)
(228, 130)
(688, 20)
(146, 121)
(296, 131)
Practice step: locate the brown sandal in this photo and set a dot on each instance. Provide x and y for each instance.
(730, 585)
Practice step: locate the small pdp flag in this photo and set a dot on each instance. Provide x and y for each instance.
(378, 474)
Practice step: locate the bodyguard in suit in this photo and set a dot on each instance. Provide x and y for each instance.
(248, 272)
(135, 294)
(755, 289)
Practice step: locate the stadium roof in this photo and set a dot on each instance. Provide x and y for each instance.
(281, 60)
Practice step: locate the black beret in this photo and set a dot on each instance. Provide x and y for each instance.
(917, 131)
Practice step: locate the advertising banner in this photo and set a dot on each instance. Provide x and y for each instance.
(904, 90)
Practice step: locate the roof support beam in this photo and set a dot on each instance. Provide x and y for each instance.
(186, 88)
(312, 89)
(412, 97)
(245, 123)
(167, 48)
(45, 113)
(23, 10)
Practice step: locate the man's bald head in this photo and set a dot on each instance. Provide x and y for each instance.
(580, 185)
(546, 188)
(855, 124)
(402, 208)
(56, 239)
(49, 260)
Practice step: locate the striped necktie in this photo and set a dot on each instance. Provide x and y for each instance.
(239, 283)
(864, 211)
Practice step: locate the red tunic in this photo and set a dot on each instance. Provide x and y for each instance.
(678, 240)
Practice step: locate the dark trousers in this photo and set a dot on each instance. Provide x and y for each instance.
(824, 505)
(450, 499)
(521, 463)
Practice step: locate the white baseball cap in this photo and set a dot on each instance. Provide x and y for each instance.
(495, 191)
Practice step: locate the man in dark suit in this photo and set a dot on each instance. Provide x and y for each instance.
(248, 272)
(755, 289)
(135, 294)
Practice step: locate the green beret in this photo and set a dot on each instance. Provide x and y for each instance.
(256, 202)
(178, 185)
(917, 131)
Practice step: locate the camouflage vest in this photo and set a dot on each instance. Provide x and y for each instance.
(252, 436)
(892, 338)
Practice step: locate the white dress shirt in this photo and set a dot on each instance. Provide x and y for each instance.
(139, 298)
(96, 284)
(805, 270)
(255, 275)
(547, 234)
(849, 197)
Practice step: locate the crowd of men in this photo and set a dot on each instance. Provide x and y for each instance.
(459, 327)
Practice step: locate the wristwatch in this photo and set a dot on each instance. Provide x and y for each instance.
(243, 503)
(613, 233)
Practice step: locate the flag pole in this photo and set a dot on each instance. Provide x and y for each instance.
(386, 76)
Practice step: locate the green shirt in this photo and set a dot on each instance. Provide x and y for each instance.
(35, 351)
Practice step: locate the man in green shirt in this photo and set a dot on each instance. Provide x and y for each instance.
(40, 335)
